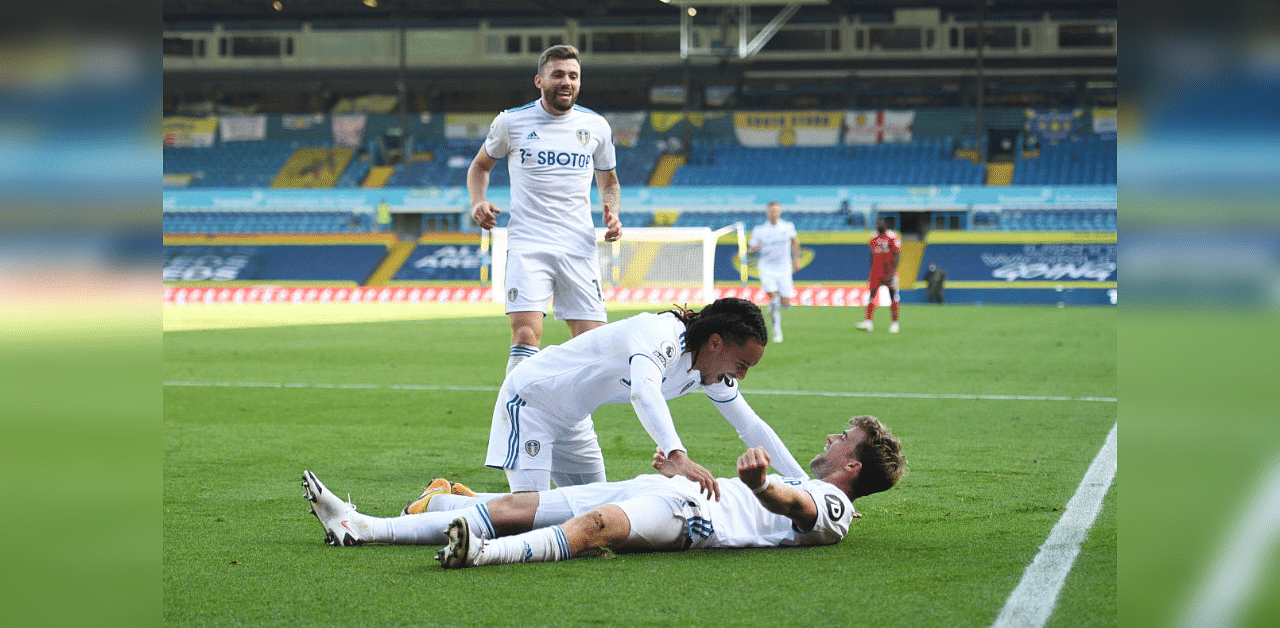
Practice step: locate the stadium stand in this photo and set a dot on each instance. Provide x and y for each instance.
(242, 222)
(441, 164)
(355, 174)
(312, 167)
(230, 164)
(1085, 160)
(712, 159)
(928, 161)
(1015, 157)
(1047, 220)
(250, 164)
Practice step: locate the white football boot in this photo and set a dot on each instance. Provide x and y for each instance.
(334, 514)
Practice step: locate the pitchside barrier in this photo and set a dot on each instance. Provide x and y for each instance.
(982, 267)
(214, 295)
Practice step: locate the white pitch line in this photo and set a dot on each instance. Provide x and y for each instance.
(1241, 564)
(929, 396)
(1032, 602)
(804, 393)
(329, 386)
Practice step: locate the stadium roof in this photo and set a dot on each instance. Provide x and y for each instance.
(456, 10)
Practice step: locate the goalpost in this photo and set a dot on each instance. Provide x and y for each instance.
(662, 258)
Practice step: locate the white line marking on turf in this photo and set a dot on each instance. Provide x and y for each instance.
(1031, 603)
(928, 396)
(805, 393)
(331, 386)
(1241, 565)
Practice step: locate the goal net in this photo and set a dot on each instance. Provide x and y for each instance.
(653, 264)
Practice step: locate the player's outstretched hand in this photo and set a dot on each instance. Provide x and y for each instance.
(612, 225)
(752, 466)
(680, 461)
(660, 463)
(485, 214)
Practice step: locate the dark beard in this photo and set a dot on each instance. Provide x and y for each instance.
(550, 99)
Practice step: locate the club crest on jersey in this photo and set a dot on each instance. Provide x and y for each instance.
(533, 447)
(665, 353)
(584, 136)
(835, 508)
(512, 294)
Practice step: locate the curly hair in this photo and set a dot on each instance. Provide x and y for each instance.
(736, 320)
(881, 456)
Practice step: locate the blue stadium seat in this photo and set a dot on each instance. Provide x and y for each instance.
(928, 161)
(1087, 160)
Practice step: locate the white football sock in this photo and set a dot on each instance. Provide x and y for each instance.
(428, 528)
(518, 354)
(458, 502)
(538, 546)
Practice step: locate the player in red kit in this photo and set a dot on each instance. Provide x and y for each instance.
(886, 247)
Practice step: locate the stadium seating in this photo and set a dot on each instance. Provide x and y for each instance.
(246, 164)
(447, 166)
(711, 161)
(1047, 220)
(442, 164)
(1087, 160)
(635, 164)
(354, 175)
(928, 161)
(232, 164)
(211, 222)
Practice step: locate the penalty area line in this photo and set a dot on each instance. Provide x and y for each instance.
(1032, 602)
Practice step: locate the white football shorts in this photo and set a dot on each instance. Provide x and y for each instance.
(523, 437)
(660, 510)
(534, 277)
(777, 280)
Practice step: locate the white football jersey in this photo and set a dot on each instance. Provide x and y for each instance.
(737, 520)
(775, 244)
(552, 161)
(740, 520)
(570, 381)
(573, 379)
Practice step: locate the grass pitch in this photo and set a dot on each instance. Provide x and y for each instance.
(378, 408)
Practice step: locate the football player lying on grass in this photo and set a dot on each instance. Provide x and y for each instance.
(648, 513)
